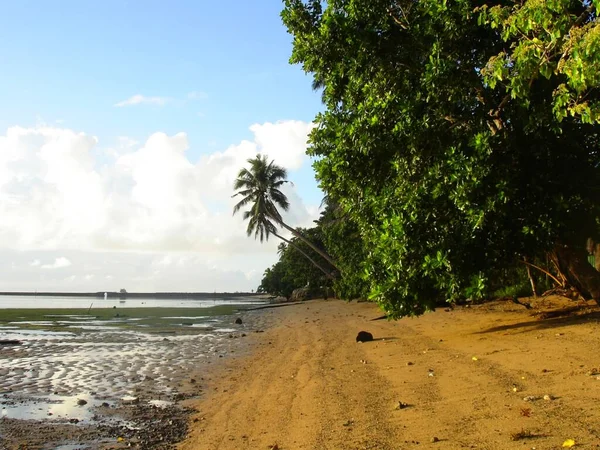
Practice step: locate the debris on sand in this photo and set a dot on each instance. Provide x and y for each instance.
(364, 336)
(523, 434)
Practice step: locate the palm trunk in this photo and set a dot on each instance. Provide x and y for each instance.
(307, 242)
(316, 264)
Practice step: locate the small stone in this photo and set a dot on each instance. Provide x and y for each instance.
(238, 321)
(410, 363)
(548, 397)
(81, 402)
(434, 440)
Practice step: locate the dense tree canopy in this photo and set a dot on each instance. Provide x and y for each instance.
(294, 270)
(458, 136)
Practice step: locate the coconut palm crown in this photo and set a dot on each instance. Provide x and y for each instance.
(259, 186)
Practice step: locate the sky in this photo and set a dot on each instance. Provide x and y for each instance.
(122, 127)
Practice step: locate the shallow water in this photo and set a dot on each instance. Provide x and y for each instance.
(41, 302)
(104, 360)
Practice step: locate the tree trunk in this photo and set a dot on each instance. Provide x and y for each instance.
(531, 280)
(310, 244)
(580, 274)
(316, 264)
(597, 256)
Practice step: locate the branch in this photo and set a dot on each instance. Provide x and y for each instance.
(543, 271)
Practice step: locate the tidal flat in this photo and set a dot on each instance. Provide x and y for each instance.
(98, 377)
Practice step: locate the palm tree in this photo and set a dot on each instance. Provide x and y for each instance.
(259, 186)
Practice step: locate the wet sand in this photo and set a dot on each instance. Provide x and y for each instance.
(110, 387)
(491, 376)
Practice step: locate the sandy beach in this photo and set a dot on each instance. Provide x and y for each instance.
(492, 376)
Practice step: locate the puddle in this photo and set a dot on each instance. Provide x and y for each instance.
(52, 407)
(160, 403)
(33, 322)
(41, 333)
(71, 316)
(186, 317)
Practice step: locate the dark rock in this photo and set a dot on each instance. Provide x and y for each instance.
(364, 336)
(238, 321)
(73, 420)
(81, 402)
(10, 342)
(105, 405)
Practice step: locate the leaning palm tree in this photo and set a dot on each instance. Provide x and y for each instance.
(260, 186)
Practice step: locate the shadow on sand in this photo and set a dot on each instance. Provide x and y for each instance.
(550, 319)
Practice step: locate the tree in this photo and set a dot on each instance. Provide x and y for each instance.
(548, 39)
(293, 270)
(454, 149)
(259, 186)
(342, 239)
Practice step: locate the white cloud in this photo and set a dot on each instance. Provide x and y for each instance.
(143, 100)
(58, 263)
(148, 199)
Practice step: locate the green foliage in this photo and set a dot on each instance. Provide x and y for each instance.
(558, 40)
(259, 187)
(455, 136)
(294, 270)
(343, 241)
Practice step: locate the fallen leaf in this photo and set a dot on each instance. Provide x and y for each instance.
(569, 443)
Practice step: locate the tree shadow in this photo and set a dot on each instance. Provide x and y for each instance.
(385, 339)
(548, 320)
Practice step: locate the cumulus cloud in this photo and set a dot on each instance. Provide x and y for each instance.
(58, 263)
(139, 99)
(56, 195)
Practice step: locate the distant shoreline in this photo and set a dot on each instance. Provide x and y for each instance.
(119, 295)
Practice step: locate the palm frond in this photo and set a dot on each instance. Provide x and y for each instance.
(243, 202)
(280, 199)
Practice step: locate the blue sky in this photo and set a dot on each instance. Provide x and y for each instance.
(72, 61)
(80, 78)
